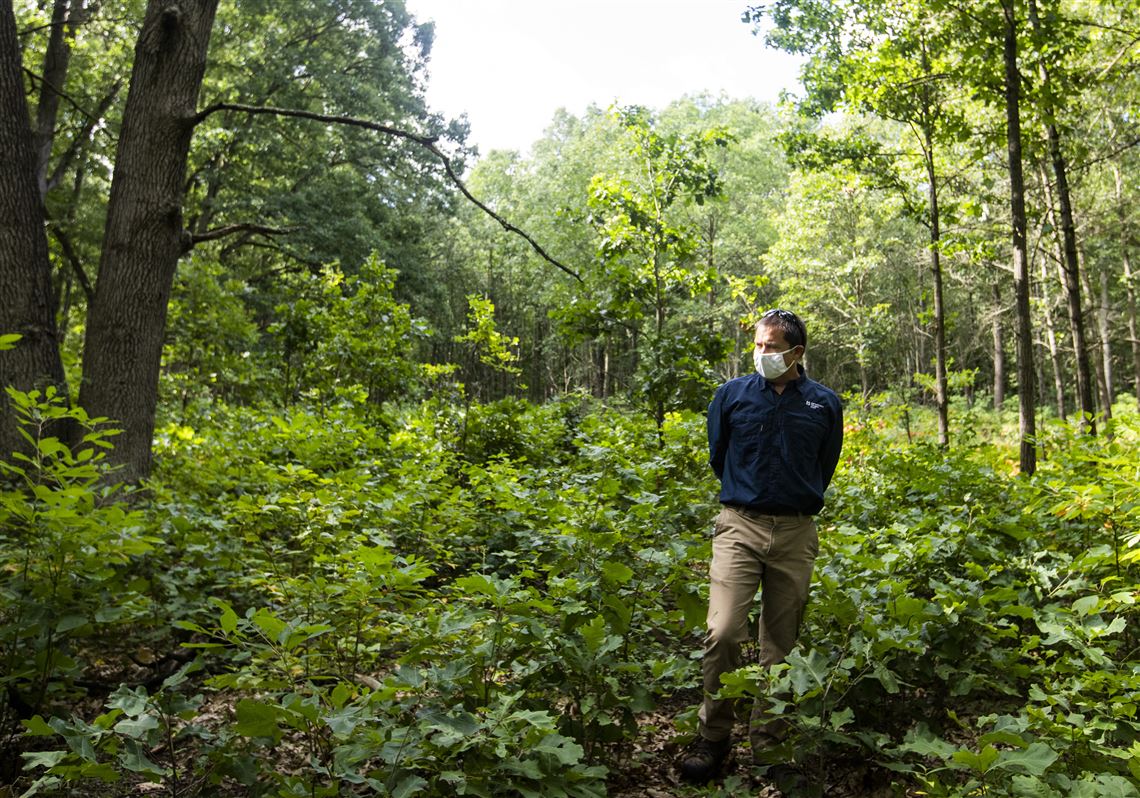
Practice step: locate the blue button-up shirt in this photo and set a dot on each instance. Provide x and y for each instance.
(774, 453)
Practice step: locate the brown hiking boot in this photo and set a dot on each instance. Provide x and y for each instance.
(703, 758)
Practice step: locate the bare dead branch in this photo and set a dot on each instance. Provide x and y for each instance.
(427, 142)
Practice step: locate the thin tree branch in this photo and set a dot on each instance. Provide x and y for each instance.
(427, 142)
(72, 258)
(193, 239)
(1123, 52)
(312, 266)
(1106, 157)
(35, 78)
(83, 136)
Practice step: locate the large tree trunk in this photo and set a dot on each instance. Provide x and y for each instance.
(1070, 263)
(1025, 377)
(144, 238)
(27, 302)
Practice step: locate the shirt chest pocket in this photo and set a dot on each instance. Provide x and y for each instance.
(809, 427)
(752, 425)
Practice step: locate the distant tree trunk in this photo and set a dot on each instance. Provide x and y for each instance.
(1070, 263)
(864, 381)
(605, 369)
(1070, 280)
(1104, 308)
(999, 350)
(53, 77)
(940, 399)
(143, 238)
(27, 301)
(1129, 283)
(1025, 387)
(1051, 341)
(928, 114)
(1103, 362)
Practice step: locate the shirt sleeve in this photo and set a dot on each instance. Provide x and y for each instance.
(832, 445)
(718, 435)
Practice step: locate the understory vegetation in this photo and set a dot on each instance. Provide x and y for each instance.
(486, 599)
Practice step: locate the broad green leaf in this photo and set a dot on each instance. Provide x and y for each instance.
(36, 726)
(1086, 605)
(980, 761)
(1032, 787)
(69, 622)
(257, 719)
(409, 785)
(1103, 785)
(616, 573)
(270, 625)
(924, 742)
(136, 727)
(43, 759)
(564, 749)
(228, 619)
(134, 758)
(1032, 761)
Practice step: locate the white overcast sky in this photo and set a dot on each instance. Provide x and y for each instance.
(510, 64)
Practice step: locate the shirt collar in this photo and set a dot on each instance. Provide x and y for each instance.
(798, 381)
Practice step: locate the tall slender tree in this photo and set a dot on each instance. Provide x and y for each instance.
(1049, 108)
(1025, 374)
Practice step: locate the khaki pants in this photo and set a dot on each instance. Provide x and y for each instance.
(775, 554)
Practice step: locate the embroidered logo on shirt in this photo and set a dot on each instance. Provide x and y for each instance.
(813, 405)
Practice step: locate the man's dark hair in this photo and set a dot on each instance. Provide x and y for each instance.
(788, 323)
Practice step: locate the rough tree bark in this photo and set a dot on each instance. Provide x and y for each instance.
(143, 237)
(27, 302)
(1025, 376)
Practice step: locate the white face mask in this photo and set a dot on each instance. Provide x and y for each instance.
(770, 366)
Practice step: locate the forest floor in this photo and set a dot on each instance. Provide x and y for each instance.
(651, 769)
(647, 768)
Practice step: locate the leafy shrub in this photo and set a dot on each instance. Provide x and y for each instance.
(69, 551)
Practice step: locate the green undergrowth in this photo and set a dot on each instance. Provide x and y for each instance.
(445, 600)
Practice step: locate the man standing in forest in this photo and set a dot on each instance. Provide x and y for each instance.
(774, 442)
